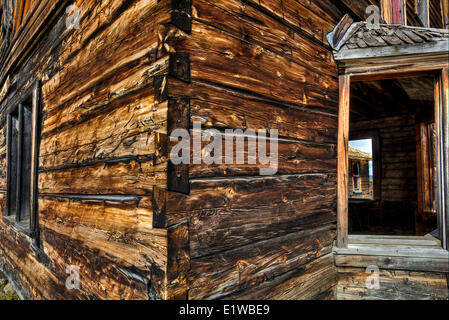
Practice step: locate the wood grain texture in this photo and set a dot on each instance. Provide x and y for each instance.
(342, 165)
(394, 285)
(100, 125)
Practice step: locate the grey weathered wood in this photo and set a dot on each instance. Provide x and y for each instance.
(412, 252)
(392, 51)
(425, 241)
(393, 263)
(423, 12)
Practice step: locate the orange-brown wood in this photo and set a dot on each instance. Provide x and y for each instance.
(445, 13)
(342, 164)
(426, 209)
(387, 11)
(444, 149)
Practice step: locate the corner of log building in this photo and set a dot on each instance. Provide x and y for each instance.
(94, 89)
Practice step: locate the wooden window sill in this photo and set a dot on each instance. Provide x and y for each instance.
(394, 252)
(22, 226)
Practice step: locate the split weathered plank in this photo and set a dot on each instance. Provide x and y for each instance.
(251, 68)
(411, 263)
(217, 107)
(301, 15)
(244, 193)
(250, 25)
(393, 285)
(219, 275)
(122, 232)
(302, 283)
(127, 176)
(127, 130)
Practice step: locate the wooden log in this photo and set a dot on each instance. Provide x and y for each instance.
(303, 16)
(178, 263)
(243, 268)
(252, 69)
(126, 130)
(243, 193)
(217, 107)
(292, 157)
(121, 232)
(111, 47)
(123, 176)
(99, 278)
(250, 25)
(306, 282)
(101, 98)
(342, 165)
(394, 285)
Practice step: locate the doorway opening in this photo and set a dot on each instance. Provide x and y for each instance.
(392, 175)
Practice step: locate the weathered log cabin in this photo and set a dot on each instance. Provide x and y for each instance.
(93, 208)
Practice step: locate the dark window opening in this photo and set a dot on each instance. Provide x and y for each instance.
(20, 162)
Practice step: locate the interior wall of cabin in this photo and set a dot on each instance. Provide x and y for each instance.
(392, 117)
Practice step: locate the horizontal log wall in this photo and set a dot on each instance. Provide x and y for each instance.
(257, 65)
(103, 118)
(393, 285)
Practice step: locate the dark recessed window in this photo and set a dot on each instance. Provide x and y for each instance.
(20, 162)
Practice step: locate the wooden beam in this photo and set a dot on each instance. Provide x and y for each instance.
(445, 13)
(389, 262)
(342, 166)
(423, 12)
(399, 12)
(417, 50)
(441, 124)
(445, 148)
(423, 175)
(387, 11)
(34, 223)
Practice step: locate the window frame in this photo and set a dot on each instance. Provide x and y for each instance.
(441, 74)
(377, 165)
(31, 228)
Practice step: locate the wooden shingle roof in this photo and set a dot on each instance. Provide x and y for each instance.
(360, 40)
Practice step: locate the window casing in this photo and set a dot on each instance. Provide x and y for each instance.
(22, 147)
(19, 159)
